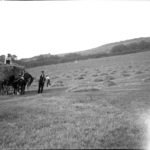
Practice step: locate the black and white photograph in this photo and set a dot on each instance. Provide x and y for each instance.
(74, 74)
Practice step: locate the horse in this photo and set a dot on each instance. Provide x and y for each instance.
(10, 82)
(26, 81)
(21, 85)
(1, 88)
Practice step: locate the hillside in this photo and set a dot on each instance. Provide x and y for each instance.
(108, 47)
(117, 48)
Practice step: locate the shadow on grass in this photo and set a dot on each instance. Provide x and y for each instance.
(52, 91)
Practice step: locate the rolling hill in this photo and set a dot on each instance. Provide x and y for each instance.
(108, 47)
(118, 48)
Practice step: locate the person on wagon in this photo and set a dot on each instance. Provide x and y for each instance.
(41, 82)
(8, 59)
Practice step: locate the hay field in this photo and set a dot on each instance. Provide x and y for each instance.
(95, 103)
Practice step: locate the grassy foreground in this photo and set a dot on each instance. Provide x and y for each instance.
(71, 120)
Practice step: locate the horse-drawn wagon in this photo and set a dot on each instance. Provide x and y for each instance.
(10, 80)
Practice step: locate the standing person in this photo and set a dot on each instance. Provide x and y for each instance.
(48, 80)
(41, 82)
(8, 59)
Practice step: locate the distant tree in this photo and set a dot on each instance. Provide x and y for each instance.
(143, 45)
(130, 48)
(120, 49)
(133, 46)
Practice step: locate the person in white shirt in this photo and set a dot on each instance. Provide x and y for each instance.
(48, 80)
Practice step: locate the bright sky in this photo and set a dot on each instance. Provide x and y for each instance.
(30, 28)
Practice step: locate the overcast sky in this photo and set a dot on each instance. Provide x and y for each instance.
(31, 28)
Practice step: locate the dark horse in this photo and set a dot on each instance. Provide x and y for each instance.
(23, 82)
(1, 87)
(18, 83)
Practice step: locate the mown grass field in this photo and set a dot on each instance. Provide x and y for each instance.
(96, 103)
